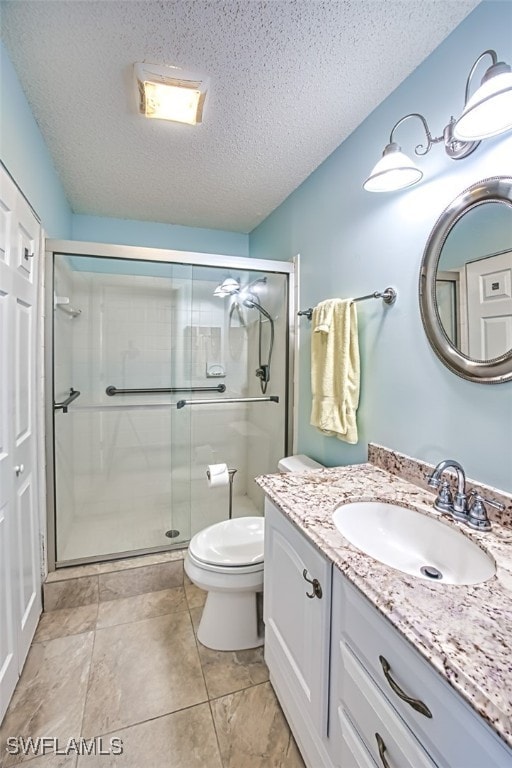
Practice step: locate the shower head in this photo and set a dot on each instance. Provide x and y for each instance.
(252, 303)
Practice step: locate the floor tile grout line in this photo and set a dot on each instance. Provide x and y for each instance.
(114, 600)
(199, 655)
(223, 764)
(88, 686)
(140, 594)
(144, 618)
(60, 637)
(149, 719)
(133, 567)
(241, 690)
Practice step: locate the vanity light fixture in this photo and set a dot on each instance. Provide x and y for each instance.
(228, 287)
(487, 113)
(170, 93)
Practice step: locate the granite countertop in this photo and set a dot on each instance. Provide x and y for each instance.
(465, 632)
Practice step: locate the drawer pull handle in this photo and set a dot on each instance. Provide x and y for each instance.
(382, 750)
(416, 704)
(317, 589)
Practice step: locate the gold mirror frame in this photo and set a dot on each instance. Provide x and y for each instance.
(497, 189)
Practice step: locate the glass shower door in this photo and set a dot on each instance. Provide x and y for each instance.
(224, 341)
(131, 340)
(113, 343)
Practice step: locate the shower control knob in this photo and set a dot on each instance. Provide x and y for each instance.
(19, 469)
(263, 373)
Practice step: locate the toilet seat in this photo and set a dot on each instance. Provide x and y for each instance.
(229, 569)
(236, 544)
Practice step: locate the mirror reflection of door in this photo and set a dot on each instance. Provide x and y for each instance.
(489, 297)
(474, 282)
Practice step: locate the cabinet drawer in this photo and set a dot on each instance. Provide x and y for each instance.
(455, 736)
(353, 752)
(376, 720)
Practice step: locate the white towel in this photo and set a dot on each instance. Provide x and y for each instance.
(335, 369)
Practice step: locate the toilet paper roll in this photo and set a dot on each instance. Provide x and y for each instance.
(217, 475)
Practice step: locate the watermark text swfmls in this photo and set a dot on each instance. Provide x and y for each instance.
(46, 745)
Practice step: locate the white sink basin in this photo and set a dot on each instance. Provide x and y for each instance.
(411, 541)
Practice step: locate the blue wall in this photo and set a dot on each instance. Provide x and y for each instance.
(354, 242)
(152, 234)
(26, 157)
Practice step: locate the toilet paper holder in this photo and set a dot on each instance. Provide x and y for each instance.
(232, 473)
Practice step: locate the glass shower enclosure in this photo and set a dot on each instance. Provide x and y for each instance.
(160, 364)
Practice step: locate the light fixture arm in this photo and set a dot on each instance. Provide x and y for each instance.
(419, 149)
(453, 148)
(494, 57)
(487, 113)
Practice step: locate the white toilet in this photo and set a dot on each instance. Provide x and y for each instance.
(226, 560)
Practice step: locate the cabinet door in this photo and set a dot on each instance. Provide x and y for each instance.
(297, 630)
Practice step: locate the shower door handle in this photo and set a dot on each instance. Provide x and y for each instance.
(111, 391)
(272, 399)
(73, 394)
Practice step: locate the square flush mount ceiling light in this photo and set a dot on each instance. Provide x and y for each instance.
(170, 93)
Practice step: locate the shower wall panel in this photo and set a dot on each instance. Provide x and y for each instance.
(63, 381)
(266, 444)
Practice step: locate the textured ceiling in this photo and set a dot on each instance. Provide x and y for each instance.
(289, 81)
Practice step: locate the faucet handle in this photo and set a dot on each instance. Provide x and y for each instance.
(492, 502)
(478, 519)
(444, 499)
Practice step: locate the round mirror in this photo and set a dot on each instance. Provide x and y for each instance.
(466, 283)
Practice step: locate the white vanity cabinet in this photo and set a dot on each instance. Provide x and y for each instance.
(297, 626)
(381, 685)
(355, 692)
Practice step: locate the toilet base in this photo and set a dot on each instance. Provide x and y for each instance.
(230, 621)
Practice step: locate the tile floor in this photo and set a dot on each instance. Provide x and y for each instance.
(131, 668)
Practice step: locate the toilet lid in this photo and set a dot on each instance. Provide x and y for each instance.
(231, 542)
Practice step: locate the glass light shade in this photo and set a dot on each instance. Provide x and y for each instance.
(166, 93)
(393, 171)
(230, 285)
(489, 110)
(171, 102)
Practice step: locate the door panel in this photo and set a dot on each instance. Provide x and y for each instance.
(9, 665)
(23, 367)
(27, 552)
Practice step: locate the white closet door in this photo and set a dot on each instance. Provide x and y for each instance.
(489, 286)
(20, 567)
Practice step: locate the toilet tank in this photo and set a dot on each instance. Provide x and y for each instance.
(299, 463)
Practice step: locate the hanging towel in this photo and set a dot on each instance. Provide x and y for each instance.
(335, 369)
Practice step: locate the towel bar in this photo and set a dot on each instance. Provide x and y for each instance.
(388, 296)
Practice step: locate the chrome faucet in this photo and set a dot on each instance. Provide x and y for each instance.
(456, 507)
(474, 513)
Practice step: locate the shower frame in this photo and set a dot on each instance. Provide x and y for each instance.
(289, 269)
